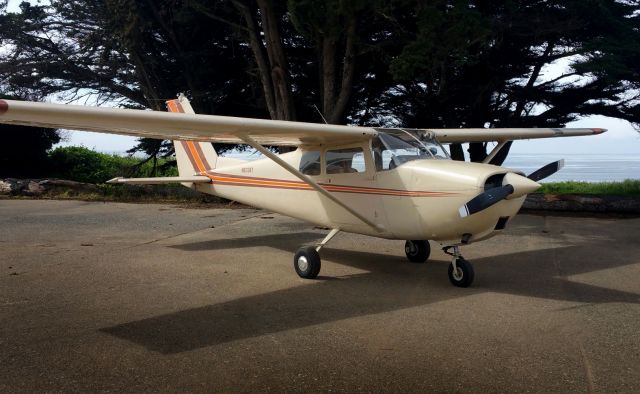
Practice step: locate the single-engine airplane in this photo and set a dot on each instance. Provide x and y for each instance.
(384, 182)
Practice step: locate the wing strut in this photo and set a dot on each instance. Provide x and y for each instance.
(495, 151)
(305, 179)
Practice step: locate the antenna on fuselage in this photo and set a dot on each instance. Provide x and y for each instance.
(320, 113)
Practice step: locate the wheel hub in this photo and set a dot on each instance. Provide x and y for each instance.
(458, 274)
(303, 263)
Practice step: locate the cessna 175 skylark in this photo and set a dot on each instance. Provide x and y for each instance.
(388, 183)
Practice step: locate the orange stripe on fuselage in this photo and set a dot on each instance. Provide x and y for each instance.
(232, 180)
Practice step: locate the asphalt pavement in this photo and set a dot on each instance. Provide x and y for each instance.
(111, 297)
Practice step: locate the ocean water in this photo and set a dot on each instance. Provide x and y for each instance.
(577, 167)
(580, 167)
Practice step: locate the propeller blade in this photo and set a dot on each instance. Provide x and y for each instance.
(485, 200)
(501, 156)
(546, 171)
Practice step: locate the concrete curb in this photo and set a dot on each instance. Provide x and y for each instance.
(583, 203)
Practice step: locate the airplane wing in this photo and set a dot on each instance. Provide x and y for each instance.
(177, 126)
(226, 129)
(507, 134)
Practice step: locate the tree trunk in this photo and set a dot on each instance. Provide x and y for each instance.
(477, 152)
(348, 68)
(279, 66)
(272, 68)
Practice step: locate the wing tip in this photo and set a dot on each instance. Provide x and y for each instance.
(598, 130)
(4, 107)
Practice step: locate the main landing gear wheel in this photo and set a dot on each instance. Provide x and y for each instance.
(307, 258)
(417, 251)
(307, 262)
(461, 272)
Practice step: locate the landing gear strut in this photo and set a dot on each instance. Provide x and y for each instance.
(460, 270)
(307, 259)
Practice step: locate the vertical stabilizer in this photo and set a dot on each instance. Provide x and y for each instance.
(192, 157)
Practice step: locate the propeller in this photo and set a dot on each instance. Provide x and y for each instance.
(485, 200)
(512, 185)
(546, 171)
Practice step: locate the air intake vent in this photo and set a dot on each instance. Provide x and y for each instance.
(502, 223)
(493, 181)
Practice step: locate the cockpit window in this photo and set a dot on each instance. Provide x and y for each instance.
(310, 163)
(392, 148)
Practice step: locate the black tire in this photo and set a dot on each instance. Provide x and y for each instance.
(464, 275)
(307, 262)
(417, 251)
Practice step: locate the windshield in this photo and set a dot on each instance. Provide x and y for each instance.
(392, 148)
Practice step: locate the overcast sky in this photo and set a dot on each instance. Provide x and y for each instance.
(621, 137)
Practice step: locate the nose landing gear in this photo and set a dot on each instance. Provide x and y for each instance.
(461, 272)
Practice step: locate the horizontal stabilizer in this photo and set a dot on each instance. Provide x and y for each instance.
(161, 180)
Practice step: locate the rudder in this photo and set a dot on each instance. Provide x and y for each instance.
(192, 157)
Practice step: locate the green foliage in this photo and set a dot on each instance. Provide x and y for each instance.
(476, 63)
(84, 165)
(155, 150)
(324, 17)
(450, 35)
(411, 63)
(132, 52)
(628, 187)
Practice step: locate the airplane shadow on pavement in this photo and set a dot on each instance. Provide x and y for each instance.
(388, 285)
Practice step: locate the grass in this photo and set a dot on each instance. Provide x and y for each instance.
(628, 187)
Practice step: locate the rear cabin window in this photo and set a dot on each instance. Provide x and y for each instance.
(345, 161)
(310, 163)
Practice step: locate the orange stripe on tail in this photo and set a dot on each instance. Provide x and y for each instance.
(194, 151)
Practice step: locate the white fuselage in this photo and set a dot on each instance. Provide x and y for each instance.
(418, 200)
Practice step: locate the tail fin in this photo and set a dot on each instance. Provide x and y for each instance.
(192, 157)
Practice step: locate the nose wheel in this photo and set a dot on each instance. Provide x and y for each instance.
(461, 272)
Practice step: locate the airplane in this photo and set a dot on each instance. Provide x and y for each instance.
(392, 183)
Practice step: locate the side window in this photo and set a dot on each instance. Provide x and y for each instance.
(310, 163)
(343, 161)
